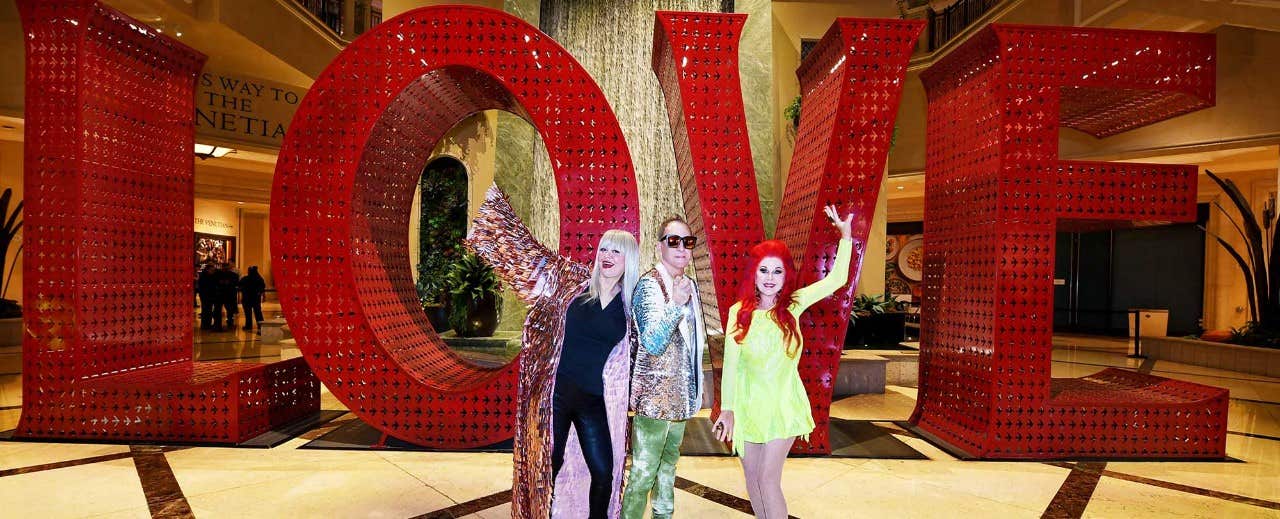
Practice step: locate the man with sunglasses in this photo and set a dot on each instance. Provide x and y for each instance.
(666, 386)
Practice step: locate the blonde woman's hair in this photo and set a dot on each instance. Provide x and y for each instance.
(625, 242)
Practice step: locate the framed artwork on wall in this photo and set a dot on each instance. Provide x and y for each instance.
(213, 248)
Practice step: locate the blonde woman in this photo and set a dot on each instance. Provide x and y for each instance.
(577, 331)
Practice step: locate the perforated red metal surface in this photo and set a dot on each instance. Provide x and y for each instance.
(851, 85)
(345, 182)
(996, 195)
(107, 352)
(695, 56)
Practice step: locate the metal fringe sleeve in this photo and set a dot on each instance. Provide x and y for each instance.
(549, 283)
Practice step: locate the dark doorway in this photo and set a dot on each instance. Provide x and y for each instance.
(443, 224)
(1099, 275)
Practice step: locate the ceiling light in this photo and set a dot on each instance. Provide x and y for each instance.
(205, 151)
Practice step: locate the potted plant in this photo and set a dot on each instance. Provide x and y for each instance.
(12, 225)
(792, 112)
(474, 297)
(10, 309)
(435, 302)
(442, 228)
(875, 322)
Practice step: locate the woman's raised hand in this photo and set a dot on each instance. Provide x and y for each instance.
(845, 225)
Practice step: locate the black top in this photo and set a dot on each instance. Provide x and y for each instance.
(590, 333)
(226, 281)
(252, 286)
(207, 285)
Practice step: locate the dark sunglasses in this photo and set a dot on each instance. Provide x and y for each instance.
(674, 241)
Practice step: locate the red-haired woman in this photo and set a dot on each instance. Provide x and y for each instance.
(763, 404)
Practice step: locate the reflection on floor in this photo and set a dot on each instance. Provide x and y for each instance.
(81, 480)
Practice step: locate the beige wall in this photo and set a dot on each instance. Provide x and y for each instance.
(871, 277)
(907, 155)
(11, 177)
(786, 58)
(12, 60)
(223, 179)
(473, 143)
(216, 217)
(255, 245)
(295, 49)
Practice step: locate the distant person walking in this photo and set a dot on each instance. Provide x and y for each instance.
(226, 279)
(207, 288)
(252, 288)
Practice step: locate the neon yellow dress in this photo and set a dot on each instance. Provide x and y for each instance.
(760, 383)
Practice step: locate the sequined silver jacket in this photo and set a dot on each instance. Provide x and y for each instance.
(667, 381)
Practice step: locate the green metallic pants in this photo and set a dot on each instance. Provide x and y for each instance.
(655, 449)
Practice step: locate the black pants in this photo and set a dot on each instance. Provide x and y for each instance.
(210, 313)
(586, 412)
(230, 307)
(252, 312)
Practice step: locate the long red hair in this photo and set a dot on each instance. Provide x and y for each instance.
(748, 299)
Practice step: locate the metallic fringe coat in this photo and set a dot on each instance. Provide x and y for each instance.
(548, 283)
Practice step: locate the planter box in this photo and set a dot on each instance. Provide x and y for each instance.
(273, 331)
(11, 331)
(1231, 357)
(860, 373)
(903, 368)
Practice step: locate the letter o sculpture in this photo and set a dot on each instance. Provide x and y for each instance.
(345, 182)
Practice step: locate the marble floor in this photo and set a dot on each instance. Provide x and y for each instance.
(90, 480)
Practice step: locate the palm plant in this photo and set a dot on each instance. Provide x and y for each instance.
(1262, 282)
(473, 289)
(8, 236)
(865, 304)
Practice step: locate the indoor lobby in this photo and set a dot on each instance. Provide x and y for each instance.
(233, 231)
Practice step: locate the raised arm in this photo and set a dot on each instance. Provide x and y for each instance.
(838, 277)
(656, 319)
(528, 267)
(839, 274)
